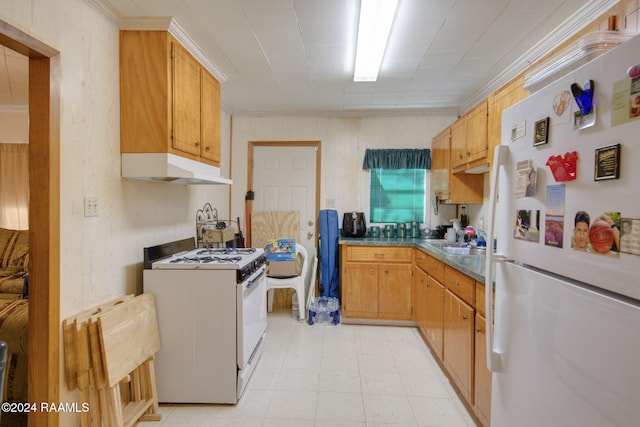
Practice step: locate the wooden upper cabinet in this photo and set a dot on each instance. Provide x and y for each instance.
(469, 138)
(186, 102)
(440, 164)
(449, 187)
(499, 101)
(169, 103)
(210, 96)
(459, 142)
(477, 144)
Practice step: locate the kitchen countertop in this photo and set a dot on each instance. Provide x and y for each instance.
(471, 265)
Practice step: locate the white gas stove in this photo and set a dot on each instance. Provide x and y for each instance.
(212, 318)
(245, 261)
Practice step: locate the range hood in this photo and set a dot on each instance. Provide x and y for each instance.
(165, 167)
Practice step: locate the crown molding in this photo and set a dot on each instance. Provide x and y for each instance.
(171, 25)
(157, 24)
(587, 14)
(104, 9)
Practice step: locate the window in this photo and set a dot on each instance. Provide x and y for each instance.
(397, 195)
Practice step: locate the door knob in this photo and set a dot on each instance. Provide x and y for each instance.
(310, 223)
(309, 236)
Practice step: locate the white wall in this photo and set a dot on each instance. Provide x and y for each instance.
(101, 257)
(343, 143)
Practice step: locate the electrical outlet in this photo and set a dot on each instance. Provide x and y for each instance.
(90, 206)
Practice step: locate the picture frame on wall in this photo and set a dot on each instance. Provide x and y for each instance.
(607, 163)
(541, 132)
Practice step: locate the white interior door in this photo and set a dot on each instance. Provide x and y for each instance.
(284, 179)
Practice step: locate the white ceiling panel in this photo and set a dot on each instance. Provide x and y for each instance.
(296, 56)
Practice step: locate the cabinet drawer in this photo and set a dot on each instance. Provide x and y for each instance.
(420, 260)
(460, 284)
(435, 269)
(378, 254)
(480, 299)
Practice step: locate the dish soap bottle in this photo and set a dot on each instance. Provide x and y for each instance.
(482, 242)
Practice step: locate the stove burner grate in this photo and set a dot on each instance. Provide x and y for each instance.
(206, 259)
(226, 251)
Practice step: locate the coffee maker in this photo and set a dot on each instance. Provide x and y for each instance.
(354, 224)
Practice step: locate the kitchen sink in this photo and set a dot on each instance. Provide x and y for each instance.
(461, 250)
(457, 248)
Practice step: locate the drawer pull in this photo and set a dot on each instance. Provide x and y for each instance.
(464, 317)
(379, 255)
(455, 282)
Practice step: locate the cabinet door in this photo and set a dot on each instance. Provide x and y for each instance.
(459, 343)
(482, 375)
(210, 119)
(145, 91)
(440, 162)
(186, 102)
(360, 290)
(394, 291)
(419, 299)
(477, 133)
(459, 155)
(434, 315)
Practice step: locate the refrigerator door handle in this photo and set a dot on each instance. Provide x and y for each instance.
(494, 357)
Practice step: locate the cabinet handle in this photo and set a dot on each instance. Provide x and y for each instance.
(371, 270)
(197, 144)
(455, 282)
(379, 255)
(207, 148)
(465, 317)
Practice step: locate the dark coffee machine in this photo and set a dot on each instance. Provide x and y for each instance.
(354, 224)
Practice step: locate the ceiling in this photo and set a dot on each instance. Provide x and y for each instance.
(296, 56)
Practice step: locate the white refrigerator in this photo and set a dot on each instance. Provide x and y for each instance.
(564, 349)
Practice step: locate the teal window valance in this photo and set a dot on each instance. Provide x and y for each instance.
(397, 159)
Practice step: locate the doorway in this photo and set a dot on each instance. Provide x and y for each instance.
(285, 176)
(44, 223)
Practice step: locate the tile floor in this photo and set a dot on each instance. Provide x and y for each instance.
(344, 375)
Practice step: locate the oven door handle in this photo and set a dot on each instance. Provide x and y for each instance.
(259, 274)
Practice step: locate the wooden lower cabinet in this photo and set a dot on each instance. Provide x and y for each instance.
(360, 291)
(482, 375)
(459, 343)
(419, 298)
(376, 282)
(435, 316)
(394, 291)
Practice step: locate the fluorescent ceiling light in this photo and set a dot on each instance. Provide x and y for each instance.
(376, 17)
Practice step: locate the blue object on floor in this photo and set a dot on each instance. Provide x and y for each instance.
(324, 311)
(329, 269)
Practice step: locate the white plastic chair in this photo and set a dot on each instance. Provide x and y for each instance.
(296, 282)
